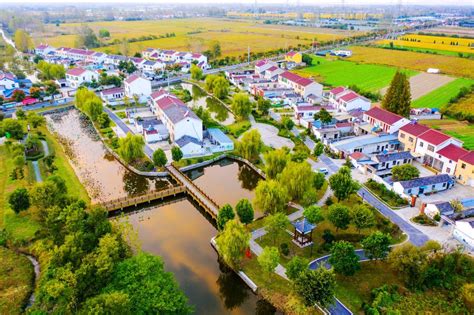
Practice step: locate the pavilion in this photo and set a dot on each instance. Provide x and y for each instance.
(303, 235)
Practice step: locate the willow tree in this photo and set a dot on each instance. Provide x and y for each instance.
(131, 147)
(398, 97)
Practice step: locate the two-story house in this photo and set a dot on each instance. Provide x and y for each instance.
(408, 135)
(465, 169)
(429, 143)
(384, 121)
(77, 76)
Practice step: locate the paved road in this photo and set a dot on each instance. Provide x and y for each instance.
(9, 112)
(119, 122)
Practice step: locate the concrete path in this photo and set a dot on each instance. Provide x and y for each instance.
(35, 164)
(270, 135)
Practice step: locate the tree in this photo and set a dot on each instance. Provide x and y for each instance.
(226, 213)
(104, 33)
(35, 92)
(141, 277)
(159, 158)
(342, 184)
(215, 49)
(51, 71)
(398, 97)
(13, 127)
(276, 224)
(307, 59)
(270, 196)
(220, 87)
(287, 122)
(295, 267)
(410, 261)
(376, 245)
(316, 286)
(48, 194)
(124, 48)
(23, 41)
(275, 162)
(324, 116)
(245, 211)
(51, 89)
(88, 102)
(319, 149)
(86, 38)
(18, 95)
(209, 82)
(233, 242)
(103, 120)
(313, 214)
(339, 216)
(176, 153)
(318, 180)
(196, 72)
(131, 147)
(108, 304)
(20, 114)
(263, 105)
(241, 105)
(404, 172)
(250, 145)
(19, 200)
(362, 217)
(269, 259)
(344, 259)
(296, 178)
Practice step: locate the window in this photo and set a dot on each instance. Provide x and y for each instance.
(421, 144)
(430, 148)
(444, 184)
(463, 165)
(448, 170)
(410, 139)
(409, 191)
(402, 135)
(433, 186)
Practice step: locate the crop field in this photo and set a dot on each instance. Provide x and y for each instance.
(385, 43)
(460, 67)
(464, 108)
(335, 72)
(195, 34)
(458, 45)
(458, 129)
(452, 30)
(441, 96)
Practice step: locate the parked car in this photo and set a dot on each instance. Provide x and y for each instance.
(324, 171)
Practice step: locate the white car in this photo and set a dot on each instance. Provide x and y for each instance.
(324, 171)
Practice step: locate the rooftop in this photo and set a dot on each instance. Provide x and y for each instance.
(337, 90)
(394, 156)
(361, 141)
(76, 71)
(426, 181)
(468, 158)
(414, 128)
(219, 136)
(383, 115)
(434, 137)
(113, 91)
(303, 226)
(452, 152)
(184, 140)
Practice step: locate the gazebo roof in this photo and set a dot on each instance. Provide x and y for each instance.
(303, 226)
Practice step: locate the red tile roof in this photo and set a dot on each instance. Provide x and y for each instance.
(343, 124)
(452, 152)
(468, 158)
(291, 53)
(434, 137)
(349, 96)
(293, 77)
(272, 68)
(414, 129)
(337, 90)
(383, 115)
(113, 91)
(131, 78)
(307, 108)
(158, 93)
(76, 71)
(357, 155)
(261, 62)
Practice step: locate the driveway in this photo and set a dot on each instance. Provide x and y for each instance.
(270, 135)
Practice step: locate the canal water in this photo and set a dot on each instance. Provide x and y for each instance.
(177, 231)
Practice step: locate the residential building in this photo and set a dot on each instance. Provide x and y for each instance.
(302, 86)
(408, 135)
(220, 142)
(447, 158)
(384, 121)
(77, 76)
(190, 146)
(152, 66)
(262, 65)
(464, 231)
(382, 164)
(294, 56)
(272, 73)
(8, 81)
(135, 85)
(342, 53)
(368, 144)
(113, 96)
(176, 116)
(433, 209)
(44, 49)
(151, 128)
(429, 143)
(465, 169)
(423, 185)
(306, 112)
(346, 100)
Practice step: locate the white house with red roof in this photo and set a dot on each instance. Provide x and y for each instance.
(430, 143)
(44, 49)
(113, 96)
(302, 86)
(384, 121)
(150, 53)
(8, 81)
(77, 76)
(448, 157)
(136, 85)
(272, 73)
(262, 65)
(408, 135)
(346, 100)
(181, 122)
(465, 169)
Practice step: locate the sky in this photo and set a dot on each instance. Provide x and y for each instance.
(303, 2)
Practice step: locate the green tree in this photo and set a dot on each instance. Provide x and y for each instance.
(362, 217)
(13, 127)
(19, 200)
(324, 116)
(296, 178)
(276, 224)
(319, 149)
(35, 92)
(18, 95)
(196, 72)
(344, 259)
(23, 41)
(287, 123)
(226, 214)
(20, 114)
(176, 153)
(86, 38)
(318, 180)
(316, 286)
(342, 184)
(376, 245)
(215, 49)
(270, 196)
(108, 304)
(245, 211)
(88, 102)
(104, 33)
(398, 97)
(220, 87)
(131, 147)
(307, 59)
(250, 145)
(48, 194)
(159, 158)
(141, 277)
(103, 120)
(404, 172)
(263, 105)
(409, 261)
(275, 162)
(233, 242)
(313, 214)
(295, 267)
(269, 259)
(241, 105)
(209, 82)
(339, 216)
(34, 119)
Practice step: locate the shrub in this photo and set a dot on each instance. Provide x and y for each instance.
(285, 249)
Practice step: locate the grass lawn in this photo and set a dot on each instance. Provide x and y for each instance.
(335, 72)
(458, 129)
(16, 279)
(441, 96)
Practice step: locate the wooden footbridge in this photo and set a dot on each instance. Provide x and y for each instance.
(185, 185)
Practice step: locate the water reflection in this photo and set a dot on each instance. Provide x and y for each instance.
(231, 291)
(248, 177)
(214, 106)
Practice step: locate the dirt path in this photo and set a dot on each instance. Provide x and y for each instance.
(424, 83)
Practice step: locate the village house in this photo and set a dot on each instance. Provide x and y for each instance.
(151, 128)
(346, 100)
(429, 143)
(437, 208)
(423, 185)
(135, 85)
(272, 73)
(147, 53)
(44, 49)
(77, 76)
(114, 59)
(152, 66)
(180, 121)
(220, 142)
(294, 56)
(368, 144)
(465, 169)
(8, 83)
(464, 231)
(382, 120)
(113, 96)
(408, 135)
(382, 164)
(262, 65)
(302, 86)
(447, 158)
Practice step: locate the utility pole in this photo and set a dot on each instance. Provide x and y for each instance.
(248, 54)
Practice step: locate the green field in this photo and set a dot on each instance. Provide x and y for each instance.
(335, 72)
(426, 50)
(458, 129)
(441, 96)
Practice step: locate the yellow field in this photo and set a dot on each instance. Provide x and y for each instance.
(460, 67)
(306, 15)
(195, 34)
(464, 45)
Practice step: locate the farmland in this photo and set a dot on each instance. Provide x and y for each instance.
(464, 109)
(460, 67)
(458, 129)
(195, 34)
(401, 45)
(441, 96)
(455, 44)
(335, 72)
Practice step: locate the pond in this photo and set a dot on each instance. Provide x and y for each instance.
(101, 174)
(200, 98)
(181, 234)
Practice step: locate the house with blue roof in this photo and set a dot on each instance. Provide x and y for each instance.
(423, 185)
(368, 144)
